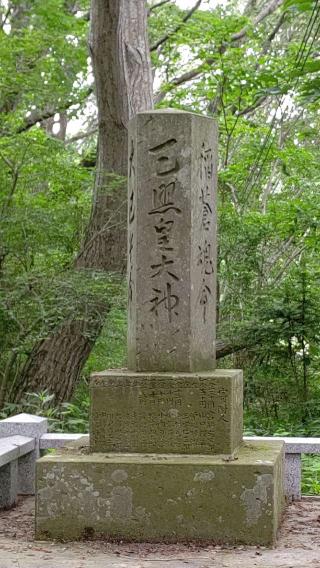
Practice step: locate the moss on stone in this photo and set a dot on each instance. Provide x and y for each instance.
(162, 497)
(185, 413)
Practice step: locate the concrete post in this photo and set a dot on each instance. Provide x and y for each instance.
(293, 476)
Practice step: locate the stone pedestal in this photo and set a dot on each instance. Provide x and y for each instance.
(167, 498)
(166, 460)
(184, 413)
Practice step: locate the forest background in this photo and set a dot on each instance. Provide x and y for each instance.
(255, 66)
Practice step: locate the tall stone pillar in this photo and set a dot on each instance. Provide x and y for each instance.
(172, 242)
(166, 459)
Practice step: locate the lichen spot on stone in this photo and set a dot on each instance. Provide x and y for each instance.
(254, 499)
(119, 475)
(121, 503)
(204, 476)
(173, 412)
(142, 514)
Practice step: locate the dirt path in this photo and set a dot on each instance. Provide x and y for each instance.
(298, 547)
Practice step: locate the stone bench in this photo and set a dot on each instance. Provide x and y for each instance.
(16, 460)
(19, 440)
(294, 447)
(55, 441)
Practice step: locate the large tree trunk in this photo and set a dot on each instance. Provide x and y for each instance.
(123, 80)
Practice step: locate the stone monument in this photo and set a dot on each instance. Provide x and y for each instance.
(166, 460)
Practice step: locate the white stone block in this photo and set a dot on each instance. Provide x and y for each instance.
(33, 427)
(24, 425)
(51, 441)
(24, 444)
(8, 452)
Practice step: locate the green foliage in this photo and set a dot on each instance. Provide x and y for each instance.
(110, 350)
(310, 483)
(67, 417)
(301, 5)
(45, 56)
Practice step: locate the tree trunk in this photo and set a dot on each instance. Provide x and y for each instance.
(123, 81)
(55, 363)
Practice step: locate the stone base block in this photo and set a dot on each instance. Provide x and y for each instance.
(175, 413)
(162, 498)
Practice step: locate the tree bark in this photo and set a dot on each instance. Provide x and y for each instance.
(123, 82)
(122, 70)
(55, 363)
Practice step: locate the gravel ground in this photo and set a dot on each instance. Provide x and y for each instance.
(298, 547)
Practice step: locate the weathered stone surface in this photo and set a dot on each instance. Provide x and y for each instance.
(26, 425)
(8, 484)
(161, 497)
(293, 476)
(20, 448)
(48, 441)
(172, 242)
(8, 451)
(198, 413)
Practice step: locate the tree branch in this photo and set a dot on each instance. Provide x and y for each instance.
(224, 347)
(196, 71)
(273, 33)
(5, 18)
(265, 12)
(14, 172)
(189, 75)
(184, 78)
(177, 28)
(280, 252)
(252, 107)
(7, 162)
(155, 6)
(296, 252)
(250, 5)
(81, 135)
(40, 116)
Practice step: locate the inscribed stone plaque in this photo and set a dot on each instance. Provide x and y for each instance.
(171, 242)
(186, 413)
